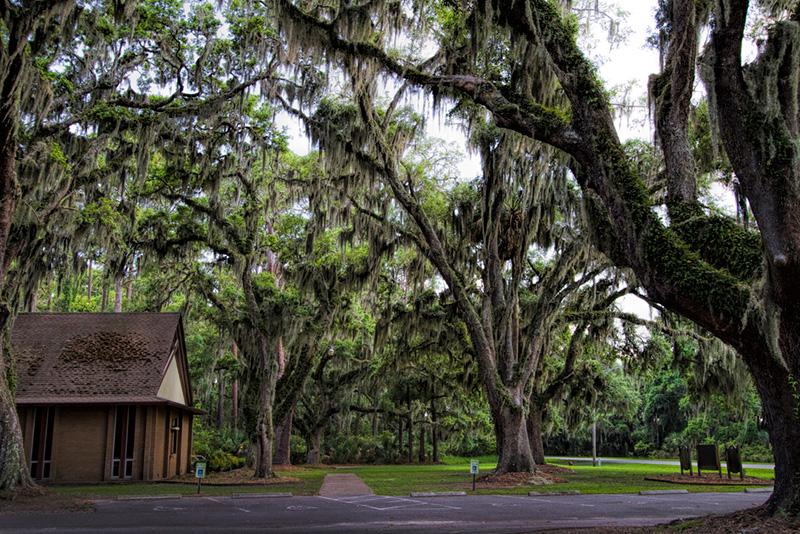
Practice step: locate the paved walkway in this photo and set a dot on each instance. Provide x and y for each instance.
(346, 485)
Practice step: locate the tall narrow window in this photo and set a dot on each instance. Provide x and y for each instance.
(42, 445)
(124, 429)
(175, 432)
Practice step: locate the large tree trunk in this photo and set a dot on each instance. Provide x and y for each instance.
(513, 447)
(104, 295)
(265, 431)
(13, 469)
(235, 403)
(89, 272)
(314, 445)
(534, 426)
(399, 437)
(780, 399)
(265, 434)
(434, 430)
(14, 473)
(421, 452)
(33, 299)
(410, 427)
(283, 445)
(221, 401)
(118, 293)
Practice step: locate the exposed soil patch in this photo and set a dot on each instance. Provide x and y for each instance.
(511, 480)
(747, 522)
(235, 477)
(43, 502)
(714, 480)
(552, 469)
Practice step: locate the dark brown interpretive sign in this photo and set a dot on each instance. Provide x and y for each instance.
(708, 459)
(685, 455)
(733, 459)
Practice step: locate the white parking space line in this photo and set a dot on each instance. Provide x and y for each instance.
(531, 499)
(361, 498)
(212, 499)
(377, 502)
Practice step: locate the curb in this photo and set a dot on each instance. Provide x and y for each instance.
(663, 492)
(259, 495)
(758, 490)
(546, 493)
(439, 494)
(147, 497)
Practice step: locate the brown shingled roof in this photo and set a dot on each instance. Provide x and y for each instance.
(92, 357)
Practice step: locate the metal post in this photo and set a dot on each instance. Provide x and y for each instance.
(594, 443)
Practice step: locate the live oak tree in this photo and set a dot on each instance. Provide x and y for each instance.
(521, 202)
(76, 129)
(738, 284)
(224, 205)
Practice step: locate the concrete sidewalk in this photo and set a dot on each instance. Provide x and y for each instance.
(343, 485)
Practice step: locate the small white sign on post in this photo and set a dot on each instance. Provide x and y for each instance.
(473, 467)
(199, 473)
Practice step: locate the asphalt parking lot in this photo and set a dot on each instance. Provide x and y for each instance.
(374, 513)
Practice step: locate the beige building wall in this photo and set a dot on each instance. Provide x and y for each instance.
(79, 444)
(186, 433)
(157, 451)
(83, 442)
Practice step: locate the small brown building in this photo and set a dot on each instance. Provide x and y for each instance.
(103, 396)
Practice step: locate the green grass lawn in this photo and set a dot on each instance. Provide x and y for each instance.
(310, 480)
(453, 475)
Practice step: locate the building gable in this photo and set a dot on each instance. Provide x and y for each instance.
(172, 384)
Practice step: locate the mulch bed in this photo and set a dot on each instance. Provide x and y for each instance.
(544, 475)
(551, 469)
(713, 480)
(235, 477)
(744, 522)
(42, 501)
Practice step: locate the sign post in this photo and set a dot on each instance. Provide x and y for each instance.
(473, 468)
(199, 473)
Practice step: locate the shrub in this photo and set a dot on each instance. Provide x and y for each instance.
(224, 461)
(297, 448)
(219, 448)
(360, 449)
(757, 452)
(642, 448)
(467, 444)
